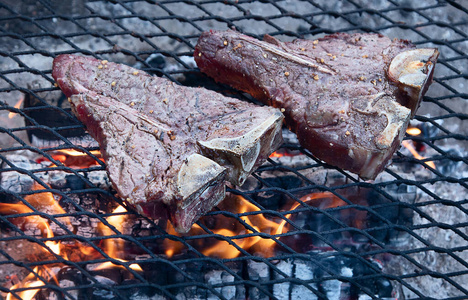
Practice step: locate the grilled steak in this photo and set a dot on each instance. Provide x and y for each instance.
(168, 148)
(347, 97)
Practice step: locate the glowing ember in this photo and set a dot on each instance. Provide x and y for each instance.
(17, 105)
(282, 153)
(41, 223)
(110, 265)
(414, 131)
(408, 145)
(276, 154)
(73, 152)
(255, 243)
(74, 159)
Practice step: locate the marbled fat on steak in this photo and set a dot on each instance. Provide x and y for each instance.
(348, 98)
(169, 149)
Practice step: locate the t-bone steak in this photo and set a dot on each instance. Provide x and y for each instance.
(168, 148)
(348, 98)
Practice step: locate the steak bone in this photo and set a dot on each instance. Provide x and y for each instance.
(241, 155)
(412, 71)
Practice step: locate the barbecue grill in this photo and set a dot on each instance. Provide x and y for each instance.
(298, 228)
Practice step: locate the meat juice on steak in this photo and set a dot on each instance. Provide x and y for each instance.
(169, 149)
(348, 98)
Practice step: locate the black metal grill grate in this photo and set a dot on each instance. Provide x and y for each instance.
(414, 231)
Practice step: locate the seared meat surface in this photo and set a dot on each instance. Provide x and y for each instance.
(169, 149)
(348, 98)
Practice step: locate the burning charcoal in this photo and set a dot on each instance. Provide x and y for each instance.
(157, 273)
(101, 291)
(74, 182)
(139, 295)
(69, 277)
(133, 289)
(113, 275)
(395, 212)
(84, 224)
(212, 278)
(232, 291)
(333, 266)
(383, 287)
(222, 277)
(332, 288)
(17, 181)
(304, 270)
(281, 290)
(258, 272)
(100, 179)
(380, 287)
(275, 200)
(64, 180)
(189, 273)
(156, 60)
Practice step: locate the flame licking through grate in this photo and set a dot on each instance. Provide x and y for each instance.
(257, 233)
(29, 214)
(414, 131)
(74, 159)
(17, 106)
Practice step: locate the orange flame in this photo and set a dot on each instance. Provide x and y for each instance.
(109, 265)
(44, 202)
(258, 222)
(17, 105)
(73, 152)
(414, 131)
(28, 282)
(223, 248)
(408, 145)
(255, 243)
(114, 247)
(74, 159)
(281, 153)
